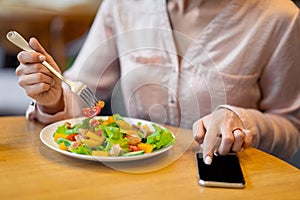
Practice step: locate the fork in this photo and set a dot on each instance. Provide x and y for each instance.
(78, 88)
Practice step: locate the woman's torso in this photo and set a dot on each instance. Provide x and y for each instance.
(176, 76)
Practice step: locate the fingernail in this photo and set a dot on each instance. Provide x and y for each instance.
(207, 160)
(237, 131)
(42, 57)
(242, 149)
(53, 82)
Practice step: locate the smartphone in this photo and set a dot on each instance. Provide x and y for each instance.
(224, 171)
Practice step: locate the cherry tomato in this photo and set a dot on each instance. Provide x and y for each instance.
(71, 137)
(91, 112)
(134, 148)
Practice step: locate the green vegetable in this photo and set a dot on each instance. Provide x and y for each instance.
(60, 140)
(61, 129)
(64, 130)
(115, 130)
(114, 136)
(82, 150)
(85, 124)
(134, 153)
(160, 138)
(117, 117)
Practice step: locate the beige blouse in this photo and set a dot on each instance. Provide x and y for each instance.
(246, 58)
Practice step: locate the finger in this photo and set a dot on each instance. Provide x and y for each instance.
(248, 138)
(36, 78)
(199, 131)
(227, 139)
(226, 143)
(239, 137)
(34, 43)
(209, 143)
(36, 90)
(30, 57)
(31, 69)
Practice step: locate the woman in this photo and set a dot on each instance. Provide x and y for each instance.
(229, 66)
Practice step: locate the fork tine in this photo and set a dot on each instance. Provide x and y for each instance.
(85, 99)
(89, 98)
(92, 95)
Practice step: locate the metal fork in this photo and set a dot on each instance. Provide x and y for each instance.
(78, 88)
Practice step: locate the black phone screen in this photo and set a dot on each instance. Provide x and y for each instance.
(223, 171)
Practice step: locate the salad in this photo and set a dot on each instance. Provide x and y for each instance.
(111, 136)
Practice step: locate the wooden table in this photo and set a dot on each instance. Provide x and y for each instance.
(30, 170)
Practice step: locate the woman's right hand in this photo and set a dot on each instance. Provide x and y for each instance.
(38, 82)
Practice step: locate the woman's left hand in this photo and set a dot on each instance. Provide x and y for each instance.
(221, 131)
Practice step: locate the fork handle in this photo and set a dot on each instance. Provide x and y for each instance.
(20, 42)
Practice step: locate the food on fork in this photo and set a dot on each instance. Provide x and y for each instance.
(93, 111)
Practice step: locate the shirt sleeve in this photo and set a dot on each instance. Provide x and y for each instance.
(33, 111)
(276, 123)
(96, 65)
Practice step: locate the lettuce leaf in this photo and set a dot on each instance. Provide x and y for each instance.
(160, 138)
(64, 130)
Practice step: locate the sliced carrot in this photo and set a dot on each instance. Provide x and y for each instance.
(109, 120)
(148, 148)
(62, 146)
(59, 135)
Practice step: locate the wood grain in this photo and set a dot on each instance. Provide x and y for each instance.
(30, 170)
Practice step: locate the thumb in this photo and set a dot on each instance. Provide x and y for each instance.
(34, 43)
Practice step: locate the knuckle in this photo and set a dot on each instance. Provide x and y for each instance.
(41, 87)
(228, 140)
(39, 77)
(21, 82)
(199, 138)
(18, 71)
(239, 135)
(44, 87)
(21, 56)
(222, 152)
(37, 67)
(27, 57)
(30, 93)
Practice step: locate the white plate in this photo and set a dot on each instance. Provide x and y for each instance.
(46, 137)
